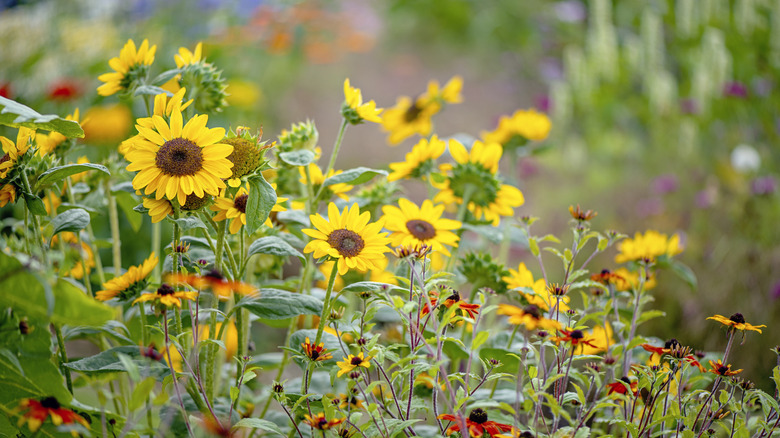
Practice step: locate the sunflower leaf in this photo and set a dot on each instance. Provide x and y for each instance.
(150, 90)
(15, 114)
(281, 304)
(188, 222)
(297, 158)
(59, 173)
(275, 246)
(34, 204)
(262, 198)
(70, 220)
(355, 176)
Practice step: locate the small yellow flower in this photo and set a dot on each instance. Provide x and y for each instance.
(354, 110)
(48, 142)
(129, 66)
(648, 247)
(166, 296)
(530, 316)
(737, 322)
(130, 283)
(351, 362)
(185, 57)
(722, 369)
(235, 209)
(14, 151)
(521, 127)
(319, 421)
(541, 297)
(413, 116)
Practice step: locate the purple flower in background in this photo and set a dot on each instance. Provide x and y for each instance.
(735, 89)
(650, 207)
(775, 292)
(689, 106)
(665, 184)
(705, 198)
(543, 103)
(571, 11)
(763, 185)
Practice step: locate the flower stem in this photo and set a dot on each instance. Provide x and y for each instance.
(36, 226)
(336, 147)
(63, 358)
(113, 220)
(173, 374)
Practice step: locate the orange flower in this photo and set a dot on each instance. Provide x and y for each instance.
(213, 280)
(36, 412)
(453, 300)
(478, 424)
(575, 337)
(315, 353)
(621, 386)
(321, 423)
(736, 321)
(723, 370)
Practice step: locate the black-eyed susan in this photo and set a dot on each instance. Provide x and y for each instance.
(35, 412)
(477, 423)
(354, 110)
(15, 150)
(722, 369)
(235, 209)
(519, 128)
(420, 161)
(317, 179)
(581, 215)
(166, 296)
(648, 247)
(529, 316)
(351, 362)
(453, 299)
(131, 65)
(473, 177)
(213, 280)
(622, 386)
(129, 284)
(175, 160)
(673, 349)
(7, 194)
(348, 237)
(576, 338)
(315, 353)
(522, 278)
(737, 322)
(320, 422)
(601, 337)
(411, 225)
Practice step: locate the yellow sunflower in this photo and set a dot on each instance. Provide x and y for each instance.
(128, 284)
(235, 208)
(737, 322)
(185, 57)
(419, 161)
(348, 237)
(7, 194)
(648, 247)
(167, 296)
(522, 126)
(131, 65)
(486, 155)
(13, 151)
(163, 107)
(411, 225)
(48, 142)
(175, 161)
(354, 110)
(317, 178)
(450, 93)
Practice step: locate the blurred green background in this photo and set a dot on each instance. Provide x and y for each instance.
(666, 114)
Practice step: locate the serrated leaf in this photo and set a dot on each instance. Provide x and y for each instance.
(70, 220)
(257, 423)
(59, 173)
(15, 114)
(280, 304)
(297, 158)
(262, 198)
(355, 176)
(275, 246)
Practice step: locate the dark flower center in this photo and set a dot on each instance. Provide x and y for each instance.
(347, 243)
(577, 334)
(240, 203)
(5, 158)
(214, 275)
(412, 113)
(605, 272)
(322, 422)
(533, 311)
(722, 369)
(356, 361)
(671, 343)
(194, 203)
(420, 229)
(478, 416)
(454, 297)
(738, 318)
(165, 289)
(179, 157)
(50, 403)
(314, 354)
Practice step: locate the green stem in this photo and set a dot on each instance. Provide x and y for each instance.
(323, 318)
(144, 335)
(155, 249)
(220, 245)
(113, 218)
(63, 358)
(336, 147)
(35, 224)
(464, 208)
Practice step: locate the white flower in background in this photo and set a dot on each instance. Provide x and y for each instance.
(745, 158)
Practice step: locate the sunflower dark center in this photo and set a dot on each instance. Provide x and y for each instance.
(347, 243)
(412, 113)
(738, 318)
(478, 416)
(240, 203)
(50, 403)
(577, 334)
(5, 158)
(533, 311)
(165, 289)
(179, 157)
(421, 229)
(356, 361)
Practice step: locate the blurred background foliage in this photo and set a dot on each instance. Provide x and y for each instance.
(666, 113)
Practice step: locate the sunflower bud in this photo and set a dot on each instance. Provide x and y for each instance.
(303, 135)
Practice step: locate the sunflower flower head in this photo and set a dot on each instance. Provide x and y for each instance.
(349, 238)
(737, 322)
(174, 159)
(354, 110)
(129, 67)
(351, 362)
(648, 247)
(413, 226)
(129, 284)
(517, 130)
(413, 116)
(14, 152)
(420, 161)
(481, 270)
(204, 79)
(35, 412)
(234, 208)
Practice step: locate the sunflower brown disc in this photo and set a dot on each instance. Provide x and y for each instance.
(421, 229)
(347, 243)
(179, 157)
(240, 203)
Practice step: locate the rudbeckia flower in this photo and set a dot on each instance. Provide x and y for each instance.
(131, 65)
(167, 296)
(315, 353)
(411, 225)
(351, 362)
(542, 298)
(470, 309)
(477, 423)
(319, 422)
(354, 110)
(574, 337)
(622, 386)
(737, 322)
(130, 283)
(722, 369)
(213, 280)
(35, 412)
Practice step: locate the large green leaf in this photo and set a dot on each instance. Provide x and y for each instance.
(262, 198)
(61, 303)
(70, 220)
(280, 304)
(59, 173)
(15, 114)
(108, 362)
(275, 246)
(355, 176)
(257, 423)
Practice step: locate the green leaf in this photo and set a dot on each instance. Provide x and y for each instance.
(684, 272)
(509, 361)
(188, 222)
(479, 339)
(34, 204)
(275, 246)
(262, 198)
(70, 220)
(23, 291)
(373, 286)
(15, 114)
(109, 361)
(165, 76)
(280, 304)
(256, 423)
(127, 203)
(297, 158)
(59, 173)
(150, 90)
(141, 393)
(355, 176)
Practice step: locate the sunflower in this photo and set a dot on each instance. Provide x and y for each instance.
(35, 412)
(185, 57)
(474, 175)
(317, 178)
(477, 423)
(530, 316)
(648, 247)
(235, 208)
(163, 107)
(213, 280)
(347, 237)
(131, 65)
(736, 322)
(351, 362)
(14, 151)
(419, 161)
(520, 128)
(354, 110)
(128, 284)
(411, 225)
(7, 194)
(158, 208)
(175, 161)
(48, 142)
(167, 296)
(409, 117)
